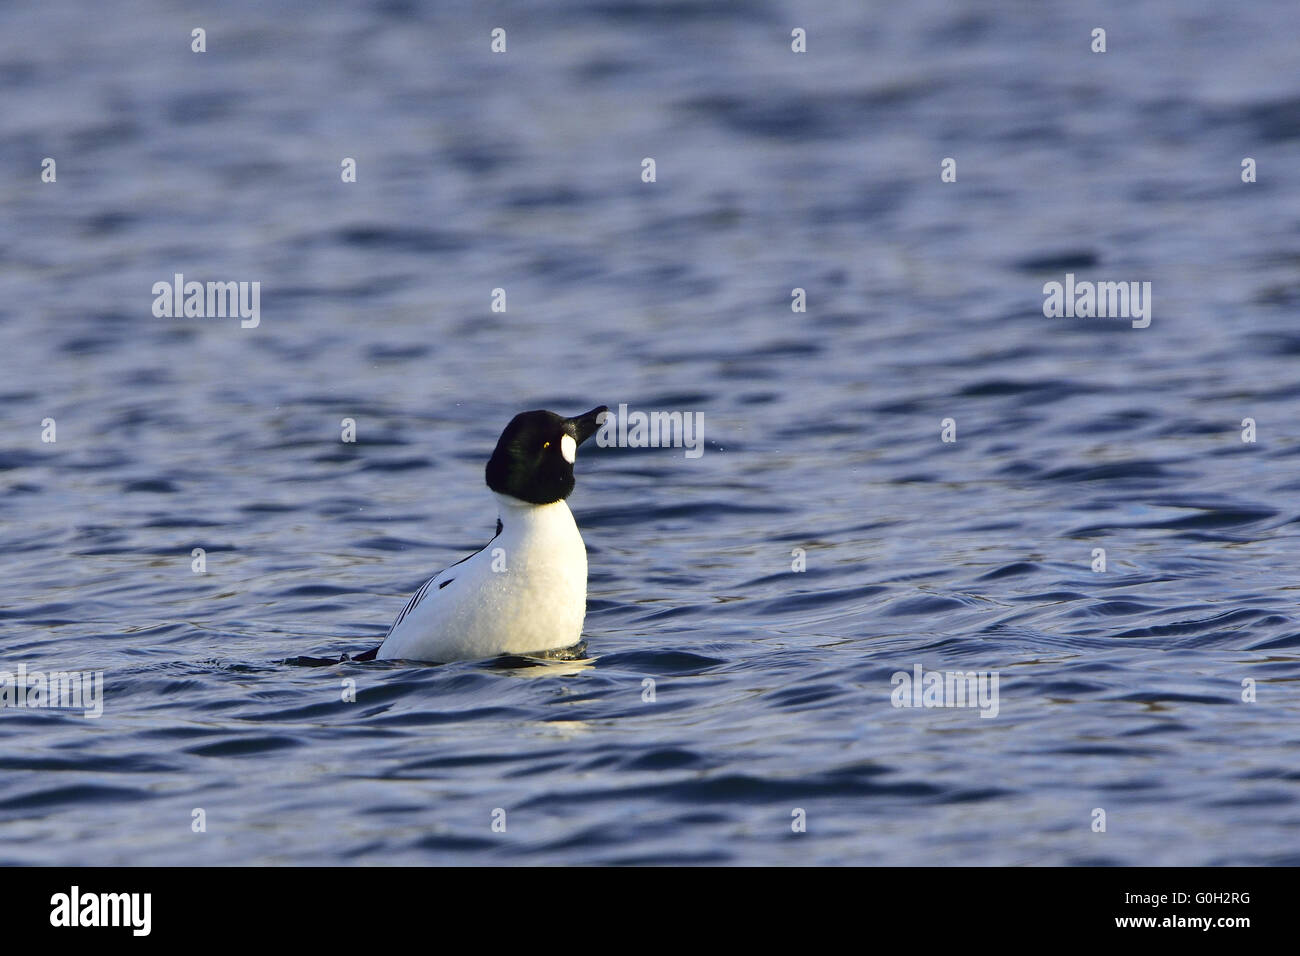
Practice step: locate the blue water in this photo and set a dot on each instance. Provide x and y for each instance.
(1119, 690)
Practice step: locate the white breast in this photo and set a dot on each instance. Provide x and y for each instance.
(525, 591)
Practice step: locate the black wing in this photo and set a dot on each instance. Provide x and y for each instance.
(411, 605)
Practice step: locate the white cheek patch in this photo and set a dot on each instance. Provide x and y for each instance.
(569, 449)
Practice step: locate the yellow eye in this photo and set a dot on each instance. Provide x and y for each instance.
(546, 445)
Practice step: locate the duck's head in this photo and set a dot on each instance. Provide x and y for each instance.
(534, 457)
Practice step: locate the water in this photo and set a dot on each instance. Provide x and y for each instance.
(1119, 690)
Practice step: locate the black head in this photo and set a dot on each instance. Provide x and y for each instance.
(533, 460)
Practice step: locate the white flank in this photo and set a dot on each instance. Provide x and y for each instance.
(536, 601)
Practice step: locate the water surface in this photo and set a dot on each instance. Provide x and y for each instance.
(1119, 690)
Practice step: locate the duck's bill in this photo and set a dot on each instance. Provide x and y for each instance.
(584, 426)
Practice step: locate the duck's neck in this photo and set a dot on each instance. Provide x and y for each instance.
(519, 515)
